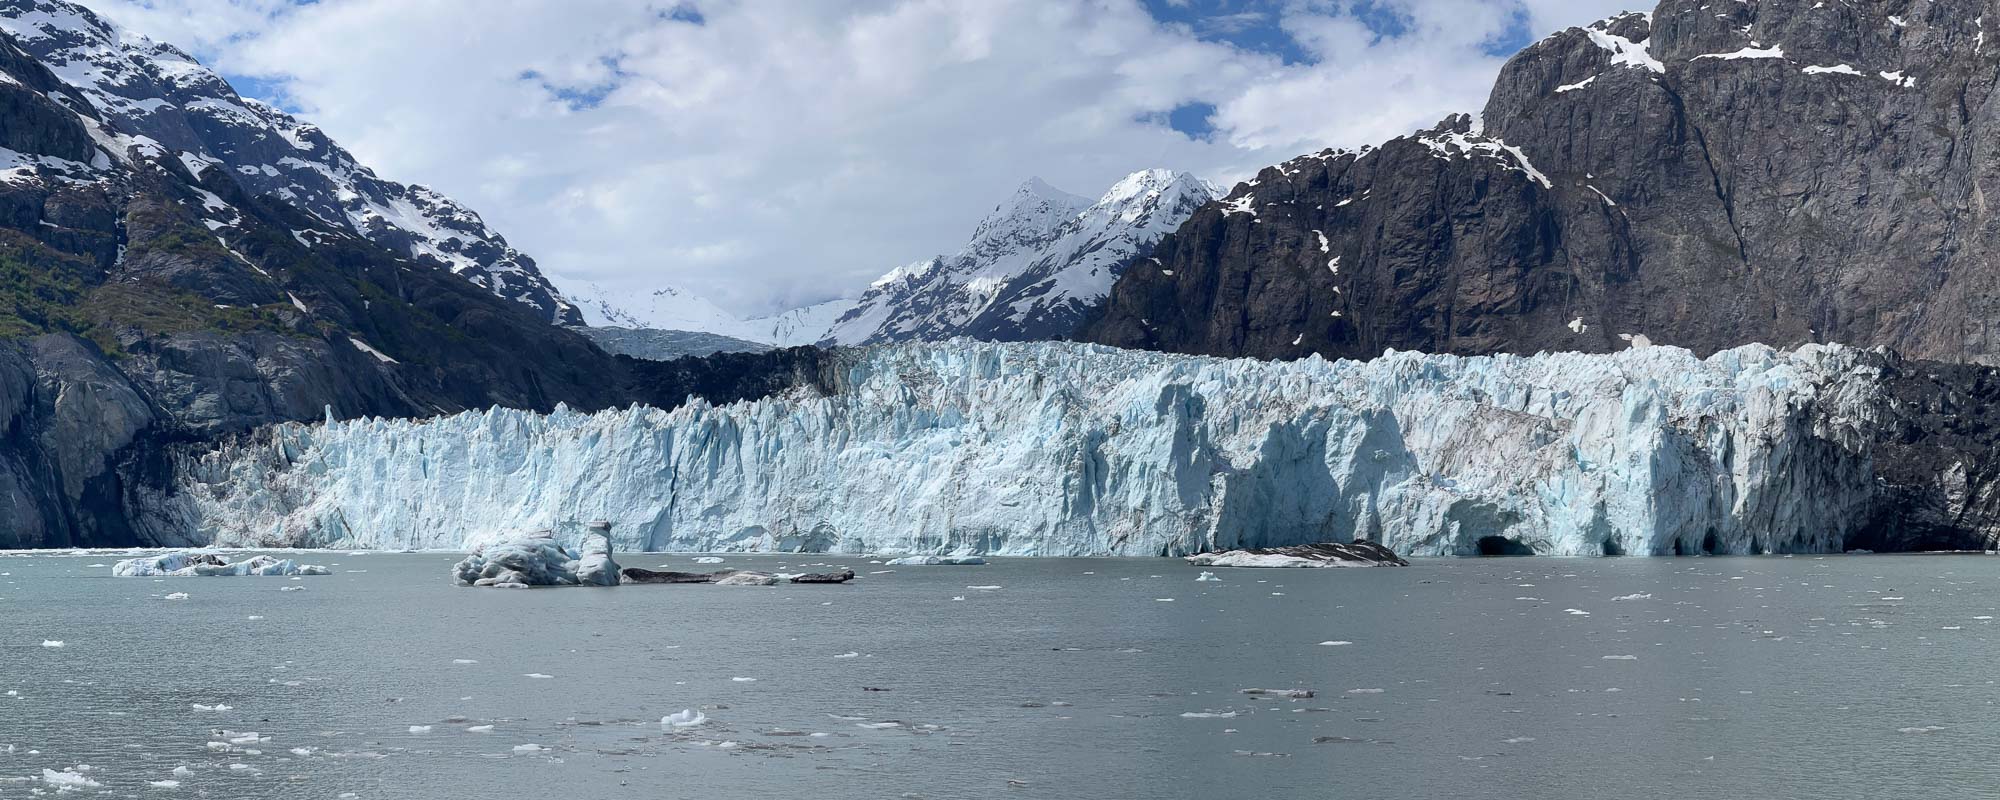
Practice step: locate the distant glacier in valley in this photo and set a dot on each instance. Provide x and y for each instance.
(1059, 449)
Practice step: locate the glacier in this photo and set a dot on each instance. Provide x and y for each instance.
(1063, 449)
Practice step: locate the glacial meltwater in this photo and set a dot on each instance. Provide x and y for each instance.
(1824, 677)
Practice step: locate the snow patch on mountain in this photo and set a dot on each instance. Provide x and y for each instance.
(671, 308)
(1058, 449)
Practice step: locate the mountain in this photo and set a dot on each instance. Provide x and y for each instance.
(1034, 269)
(160, 94)
(1706, 175)
(152, 304)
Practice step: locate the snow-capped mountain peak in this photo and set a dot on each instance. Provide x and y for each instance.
(1025, 220)
(168, 99)
(1033, 268)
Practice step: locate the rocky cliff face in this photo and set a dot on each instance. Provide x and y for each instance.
(160, 94)
(1704, 176)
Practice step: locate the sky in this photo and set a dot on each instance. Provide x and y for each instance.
(773, 153)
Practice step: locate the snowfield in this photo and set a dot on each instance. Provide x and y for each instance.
(1057, 449)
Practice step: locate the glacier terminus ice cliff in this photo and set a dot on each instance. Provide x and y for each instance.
(1056, 449)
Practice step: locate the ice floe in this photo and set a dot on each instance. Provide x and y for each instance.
(195, 563)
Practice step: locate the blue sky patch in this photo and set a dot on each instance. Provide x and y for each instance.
(1194, 120)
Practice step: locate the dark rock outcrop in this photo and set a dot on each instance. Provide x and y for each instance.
(1936, 445)
(643, 575)
(842, 576)
(1714, 175)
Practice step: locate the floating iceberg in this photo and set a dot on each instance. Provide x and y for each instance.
(595, 567)
(933, 561)
(1063, 449)
(1357, 554)
(532, 559)
(187, 564)
(747, 579)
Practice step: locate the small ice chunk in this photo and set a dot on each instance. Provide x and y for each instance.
(529, 748)
(69, 780)
(420, 729)
(177, 596)
(684, 718)
(480, 729)
(53, 643)
(744, 680)
(1207, 576)
(538, 676)
(1293, 694)
(1621, 658)
(1208, 715)
(1335, 643)
(708, 560)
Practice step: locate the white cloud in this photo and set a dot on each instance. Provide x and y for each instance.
(784, 151)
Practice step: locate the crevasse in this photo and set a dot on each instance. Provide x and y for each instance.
(1056, 449)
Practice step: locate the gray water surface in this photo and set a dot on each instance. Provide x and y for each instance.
(1838, 677)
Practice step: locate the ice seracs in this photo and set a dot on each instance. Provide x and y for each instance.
(1058, 449)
